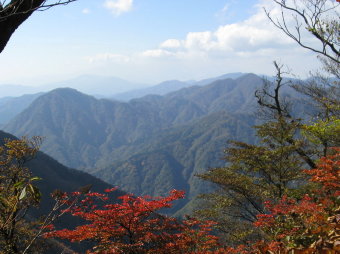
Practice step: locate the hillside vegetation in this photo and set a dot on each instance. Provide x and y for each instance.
(169, 138)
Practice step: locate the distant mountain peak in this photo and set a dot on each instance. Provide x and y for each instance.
(248, 76)
(65, 92)
(64, 89)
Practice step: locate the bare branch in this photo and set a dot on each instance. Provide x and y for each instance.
(312, 15)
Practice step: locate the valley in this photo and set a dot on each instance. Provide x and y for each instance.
(148, 145)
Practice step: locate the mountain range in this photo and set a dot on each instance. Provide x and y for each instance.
(170, 86)
(15, 98)
(148, 145)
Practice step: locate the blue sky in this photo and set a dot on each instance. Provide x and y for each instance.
(149, 41)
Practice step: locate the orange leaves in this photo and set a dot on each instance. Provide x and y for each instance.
(328, 173)
(307, 223)
(264, 220)
(134, 226)
(110, 190)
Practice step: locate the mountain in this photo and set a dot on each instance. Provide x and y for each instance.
(171, 86)
(172, 158)
(100, 86)
(80, 129)
(147, 145)
(160, 89)
(11, 106)
(234, 75)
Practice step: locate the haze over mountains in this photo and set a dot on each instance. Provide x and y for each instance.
(11, 106)
(106, 86)
(89, 84)
(15, 98)
(148, 145)
(170, 86)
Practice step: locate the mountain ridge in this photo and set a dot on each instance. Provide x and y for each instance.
(147, 145)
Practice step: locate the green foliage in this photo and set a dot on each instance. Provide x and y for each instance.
(322, 132)
(309, 223)
(273, 169)
(55, 176)
(266, 171)
(255, 173)
(17, 194)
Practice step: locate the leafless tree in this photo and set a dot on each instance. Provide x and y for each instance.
(319, 17)
(14, 12)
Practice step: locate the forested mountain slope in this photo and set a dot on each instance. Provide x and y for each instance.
(148, 145)
(172, 159)
(79, 129)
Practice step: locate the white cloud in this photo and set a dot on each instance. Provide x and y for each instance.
(156, 53)
(200, 41)
(248, 46)
(171, 43)
(118, 7)
(251, 37)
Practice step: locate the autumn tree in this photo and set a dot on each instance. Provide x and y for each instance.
(310, 223)
(135, 226)
(14, 12)
(287, 142)
(256, 173)
(17, 194)
(20, 232)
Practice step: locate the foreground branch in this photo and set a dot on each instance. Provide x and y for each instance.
(15, 12)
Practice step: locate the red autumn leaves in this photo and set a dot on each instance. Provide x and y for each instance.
(135, 225)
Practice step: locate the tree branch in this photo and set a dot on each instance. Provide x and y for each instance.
(311, 18)
(13, 14)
